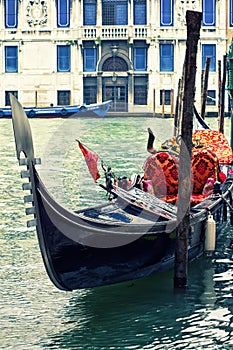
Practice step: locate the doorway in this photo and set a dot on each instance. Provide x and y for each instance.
(119, 96)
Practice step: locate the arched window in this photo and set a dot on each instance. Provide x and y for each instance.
(115, 64)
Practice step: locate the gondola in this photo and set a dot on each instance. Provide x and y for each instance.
(129, 237)
(84, 110)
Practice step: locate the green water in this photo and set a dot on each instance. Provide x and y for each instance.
(142, 314)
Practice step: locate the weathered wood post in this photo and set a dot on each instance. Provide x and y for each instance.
(163, 102)
(230, 85)
(176, 116)
(193, 20)
(221, 116)
(172, 103)
(153, 102)
(219, 91)
(205, 88)
(36, 98)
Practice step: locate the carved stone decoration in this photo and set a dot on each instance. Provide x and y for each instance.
(37, 13)
(183, 6)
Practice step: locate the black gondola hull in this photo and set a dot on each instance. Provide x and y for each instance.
(115, 242)
(73, 265)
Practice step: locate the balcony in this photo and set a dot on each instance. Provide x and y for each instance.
(114, 32)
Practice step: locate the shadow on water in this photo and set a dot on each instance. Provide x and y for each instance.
(145, 314)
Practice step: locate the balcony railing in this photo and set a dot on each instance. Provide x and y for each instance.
(114, 32)
(82, 33)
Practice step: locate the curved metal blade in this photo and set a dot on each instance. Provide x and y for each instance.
(22, 130)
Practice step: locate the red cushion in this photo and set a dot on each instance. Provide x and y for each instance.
(162, 169)
(216, 142)
(204, 166)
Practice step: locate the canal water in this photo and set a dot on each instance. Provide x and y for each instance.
(141, 314)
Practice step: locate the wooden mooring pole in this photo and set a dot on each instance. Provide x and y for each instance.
(205, 87)
(230, 84)
(176, 116)
(219, 91)
(193, 20)
(222, 109)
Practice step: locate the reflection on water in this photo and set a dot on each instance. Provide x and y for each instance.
(148, 314)
(142, 314)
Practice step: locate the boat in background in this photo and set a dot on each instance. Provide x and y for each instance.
(131, 236)
(91, 110)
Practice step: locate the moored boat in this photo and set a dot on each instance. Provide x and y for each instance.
(131, 236)
(91, 110)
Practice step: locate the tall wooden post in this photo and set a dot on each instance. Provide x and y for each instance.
(172, 103)
(193, 20)
(163, 102)
(153, 102)
(202, 84)
(36, 97)
(176, 116)
(230, 85)
(219, 91)
(221, 117)
(205, 87)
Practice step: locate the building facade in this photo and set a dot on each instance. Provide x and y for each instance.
(131, 51)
